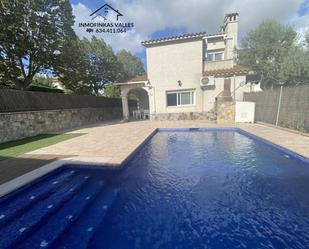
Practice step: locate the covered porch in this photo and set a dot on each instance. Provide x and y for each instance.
(135, 89)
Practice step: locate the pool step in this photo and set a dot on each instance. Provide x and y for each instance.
(60, 222)
(16, 206)
(82, 231)
(24, 225)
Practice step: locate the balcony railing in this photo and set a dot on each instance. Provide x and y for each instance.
(214, 65)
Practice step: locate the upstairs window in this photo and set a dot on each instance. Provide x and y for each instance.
(214, 56)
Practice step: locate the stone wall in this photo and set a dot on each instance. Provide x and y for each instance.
(17, 125)
(184, 116)
(225, 112)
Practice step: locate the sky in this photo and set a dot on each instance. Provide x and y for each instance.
(160, 18)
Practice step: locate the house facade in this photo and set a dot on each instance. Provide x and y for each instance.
(187, 74)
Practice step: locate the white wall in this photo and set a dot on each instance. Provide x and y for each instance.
(210, 95)
(216, 44)
(239, 93)
(182, 61)
(232, 37)
(168, 63)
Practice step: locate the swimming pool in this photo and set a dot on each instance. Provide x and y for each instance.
(200, 188)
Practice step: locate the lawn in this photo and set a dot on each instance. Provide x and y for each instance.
(15, 148)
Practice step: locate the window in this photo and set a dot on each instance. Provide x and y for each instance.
(172, 99)
(180, 98)
(214, 56)
(218, 56)
(209, 57)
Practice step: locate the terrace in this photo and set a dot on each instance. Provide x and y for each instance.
(111, 143)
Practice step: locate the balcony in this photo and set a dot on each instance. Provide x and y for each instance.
(222, 64)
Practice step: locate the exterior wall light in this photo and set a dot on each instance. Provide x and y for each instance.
(179, 83)
(148, 84)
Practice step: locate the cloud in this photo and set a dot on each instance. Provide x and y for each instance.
(150, 16)
(301, 25)
(129, 41)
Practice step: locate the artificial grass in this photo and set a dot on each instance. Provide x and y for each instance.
(18, 147)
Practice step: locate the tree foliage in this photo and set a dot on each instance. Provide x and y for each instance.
(112, 91)
(71, 68)
(271, 51)
(32, 36)
(87, 65)
(294, 69)
(131, 65)
(307, 40)
(37, 37)
(102, 64)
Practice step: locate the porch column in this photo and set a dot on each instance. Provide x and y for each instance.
(125, 106)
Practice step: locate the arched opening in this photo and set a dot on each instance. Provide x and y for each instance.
(141, 111)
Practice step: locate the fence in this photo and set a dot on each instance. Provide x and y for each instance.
(16, 101)
(26, 114)
(286, 107)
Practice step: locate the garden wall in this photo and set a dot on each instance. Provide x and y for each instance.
(17, 125)
(293, 109)
(16, 101)
(183, 116)
(26, 114)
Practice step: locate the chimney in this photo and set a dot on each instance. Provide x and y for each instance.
(230, 26)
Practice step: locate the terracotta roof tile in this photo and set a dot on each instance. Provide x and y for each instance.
(138, 78)
(179, 37)
(236, 70)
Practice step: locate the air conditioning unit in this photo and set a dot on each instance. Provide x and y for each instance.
(207, 81)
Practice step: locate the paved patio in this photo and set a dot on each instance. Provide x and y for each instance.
(111, 143)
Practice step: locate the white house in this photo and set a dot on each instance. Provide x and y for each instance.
(187, 73)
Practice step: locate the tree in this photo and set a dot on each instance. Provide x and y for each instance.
(294, 69)
(264, 49)
(32, 36)
(102, 64)
(131, 65)
(72, 67)
(86, 66)
(43, 81)
(112, 91)
(307, 40)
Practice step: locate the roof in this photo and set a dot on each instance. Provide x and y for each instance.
(138, 79)
(179, 37)
(236, 70)
(142, 77)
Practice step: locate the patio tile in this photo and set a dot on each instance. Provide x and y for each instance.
(112, 143)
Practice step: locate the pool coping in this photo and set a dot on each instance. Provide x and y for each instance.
(31, 177)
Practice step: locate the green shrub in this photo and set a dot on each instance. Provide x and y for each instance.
(40, 88)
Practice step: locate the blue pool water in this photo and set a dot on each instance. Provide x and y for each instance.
(183, 189)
